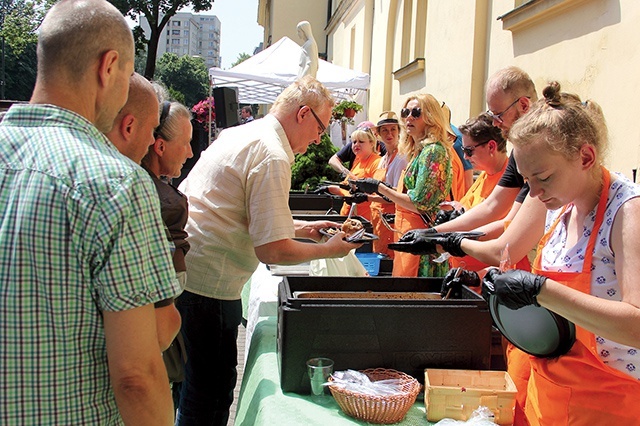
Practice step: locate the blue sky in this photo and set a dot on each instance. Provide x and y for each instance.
(240, 32)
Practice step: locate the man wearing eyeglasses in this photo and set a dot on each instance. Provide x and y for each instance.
(239, 216)
(510, 93)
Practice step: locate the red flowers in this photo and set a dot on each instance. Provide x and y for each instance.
(204, 108)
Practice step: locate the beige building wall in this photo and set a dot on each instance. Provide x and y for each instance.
(279, 18)
(449, 48)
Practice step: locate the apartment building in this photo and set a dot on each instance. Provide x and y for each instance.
(190, 34)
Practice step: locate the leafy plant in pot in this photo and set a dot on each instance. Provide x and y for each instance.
(346, 109)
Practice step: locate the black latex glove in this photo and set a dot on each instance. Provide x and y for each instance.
(456, 213)
(454, 283)
(515, 288)
(357, 198)
(420, 244)
(416, 233)
(368, 185)
(324, 189)
(389, 217)
(444, 216)
(451, 243)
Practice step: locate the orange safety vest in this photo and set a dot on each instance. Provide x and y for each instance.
(578, 388)
(384, 235)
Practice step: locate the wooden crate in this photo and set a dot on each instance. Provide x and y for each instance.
(455, 394)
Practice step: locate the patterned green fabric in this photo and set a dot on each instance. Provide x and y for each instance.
(80, 233)
(428, 182)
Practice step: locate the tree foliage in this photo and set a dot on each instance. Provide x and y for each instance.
(19, 20)
(158, 13)
(186, 75)
(241, 58)
(20, 72)
(313, 167)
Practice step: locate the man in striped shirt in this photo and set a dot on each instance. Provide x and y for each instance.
(83, 258)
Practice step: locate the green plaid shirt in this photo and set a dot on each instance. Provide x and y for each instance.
(80, 233)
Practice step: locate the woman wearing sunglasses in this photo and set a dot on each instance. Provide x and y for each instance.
(425, 183)
(485, 147)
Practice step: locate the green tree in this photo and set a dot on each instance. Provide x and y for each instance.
(313, 167)
(241, 58)
(20, 72)
(184, 74)
(158, 13)
(19, 20)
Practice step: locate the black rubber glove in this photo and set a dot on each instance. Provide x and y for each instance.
(324, 189)
(442, 216)
(357, 198)
(389, 217)
(455, 279)
(515, 288)
(420, 244)
(456, 213)
(451, 243)
(368, 185)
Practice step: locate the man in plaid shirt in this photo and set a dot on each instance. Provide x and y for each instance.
(83, 258)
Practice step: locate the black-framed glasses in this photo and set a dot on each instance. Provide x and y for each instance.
(415, 112)
(468, 150)
(166, 107)
(498, 117)
(323, 128)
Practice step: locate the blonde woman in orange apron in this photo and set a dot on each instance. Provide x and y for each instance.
(425, 183)
(586, 269)
(389, 170)
(363, 142)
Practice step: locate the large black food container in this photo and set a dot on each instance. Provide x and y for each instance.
(367, 247)
(299, 201)
(406, 335)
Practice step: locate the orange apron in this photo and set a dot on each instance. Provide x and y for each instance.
(384, 235)
(578, 388)
(362, 169)
(406, 264)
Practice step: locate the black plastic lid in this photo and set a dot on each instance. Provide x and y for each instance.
(534, 329)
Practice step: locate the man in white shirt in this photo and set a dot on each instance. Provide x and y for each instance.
(239, 216)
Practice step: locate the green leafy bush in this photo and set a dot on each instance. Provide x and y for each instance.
(313, 167)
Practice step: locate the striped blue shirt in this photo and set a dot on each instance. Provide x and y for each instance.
(80, 233)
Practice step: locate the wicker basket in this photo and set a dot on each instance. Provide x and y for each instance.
(378, 409)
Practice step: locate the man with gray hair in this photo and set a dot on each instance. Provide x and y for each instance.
(83, 258)
(239, 216)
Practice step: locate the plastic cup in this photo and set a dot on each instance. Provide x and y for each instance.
(319, 370)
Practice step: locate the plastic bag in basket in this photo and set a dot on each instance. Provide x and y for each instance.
(358, 382)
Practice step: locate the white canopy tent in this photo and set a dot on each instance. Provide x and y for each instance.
(261, 78)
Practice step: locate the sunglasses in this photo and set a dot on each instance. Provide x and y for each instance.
(166, 107)
(468, 150)
(415, 112)
(323, 128)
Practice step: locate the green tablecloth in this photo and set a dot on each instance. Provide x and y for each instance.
(262, 402)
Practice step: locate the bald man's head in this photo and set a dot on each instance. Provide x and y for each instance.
(132, 132)
(76, 33)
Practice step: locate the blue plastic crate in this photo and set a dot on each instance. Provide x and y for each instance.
(371, 262)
